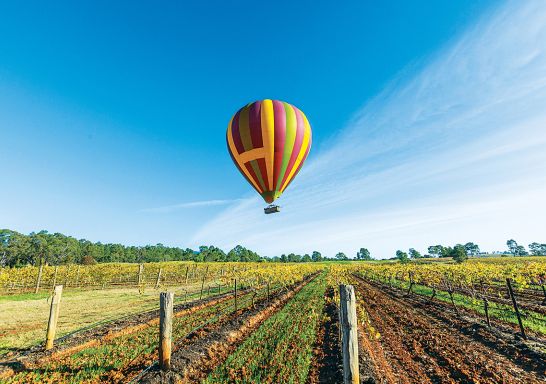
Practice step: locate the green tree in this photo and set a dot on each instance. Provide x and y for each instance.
(436, 250)
(316, 256)
(341, 256)
(363, 254)
(537, 249)
(512, 247)
(472, 249)
(414, 254)
(458, 253)
(402, 256)
(293, 258)
(520, 251)
(306, 258)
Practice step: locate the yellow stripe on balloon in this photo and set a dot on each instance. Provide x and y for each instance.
(268, 137)
(237, 157)
(299, 159)
(253, 154)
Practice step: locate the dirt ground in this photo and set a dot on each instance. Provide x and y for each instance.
(431, 343)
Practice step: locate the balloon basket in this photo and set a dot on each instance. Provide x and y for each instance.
(272, 209)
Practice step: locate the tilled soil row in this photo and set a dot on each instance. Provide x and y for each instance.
(535, 302)
(101, 333)
(429, 344)
(502, 329)
(197, 355)
(503, 336)
(326, 366)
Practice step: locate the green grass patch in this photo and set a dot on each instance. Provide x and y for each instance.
(25, 296)
(281, 349)
(531, 320)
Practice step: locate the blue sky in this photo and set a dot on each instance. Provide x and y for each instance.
(427, 121)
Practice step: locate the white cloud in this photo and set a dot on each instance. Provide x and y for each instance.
(455, 153)
(192, 204)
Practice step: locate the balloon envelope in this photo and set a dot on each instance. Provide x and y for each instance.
(268, 141)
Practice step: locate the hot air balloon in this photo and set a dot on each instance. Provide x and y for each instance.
(268, 141)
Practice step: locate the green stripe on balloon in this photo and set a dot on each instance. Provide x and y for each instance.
(256, 168)
(290, 137)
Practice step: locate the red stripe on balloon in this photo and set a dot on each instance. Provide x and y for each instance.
(301, 164)
(255, 124)
(280, 139)
(263, 172)
(253, 175)
(300, 127)
(236, 135)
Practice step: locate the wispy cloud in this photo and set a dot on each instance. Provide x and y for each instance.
(192, 204)
(455, 151)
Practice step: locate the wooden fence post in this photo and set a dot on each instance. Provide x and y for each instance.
(39, 279)
(202, 285)
(235, 295)
(66, 276)
(203, 282)
(166, 300)
(158, 279)
(514, 302)
(349, 338)
(486, 308)
(55, 277)
(140, 271)
(53, 316)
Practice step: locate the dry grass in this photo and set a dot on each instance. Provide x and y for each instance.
(23, 319)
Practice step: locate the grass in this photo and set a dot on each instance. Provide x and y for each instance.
(23, 317)
(280, 351)
(25, 296)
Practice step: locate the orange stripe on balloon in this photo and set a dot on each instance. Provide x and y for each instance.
(253, 154)
(235, 155)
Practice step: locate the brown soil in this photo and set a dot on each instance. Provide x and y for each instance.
(201, 352)
(326, 366)
(430, 343)
(532, 300)
(88, 338)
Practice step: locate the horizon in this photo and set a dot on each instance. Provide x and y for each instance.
(424, 253)
(428, 124)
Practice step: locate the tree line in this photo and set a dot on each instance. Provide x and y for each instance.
(461, 252)
(44, 248)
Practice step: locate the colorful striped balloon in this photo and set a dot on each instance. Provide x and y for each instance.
(268, 141)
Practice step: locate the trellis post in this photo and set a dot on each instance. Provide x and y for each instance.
(166, 300)
(349, 335)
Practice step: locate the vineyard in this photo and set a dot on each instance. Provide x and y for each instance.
(480, 321)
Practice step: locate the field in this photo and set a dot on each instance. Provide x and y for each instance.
(425, 322)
